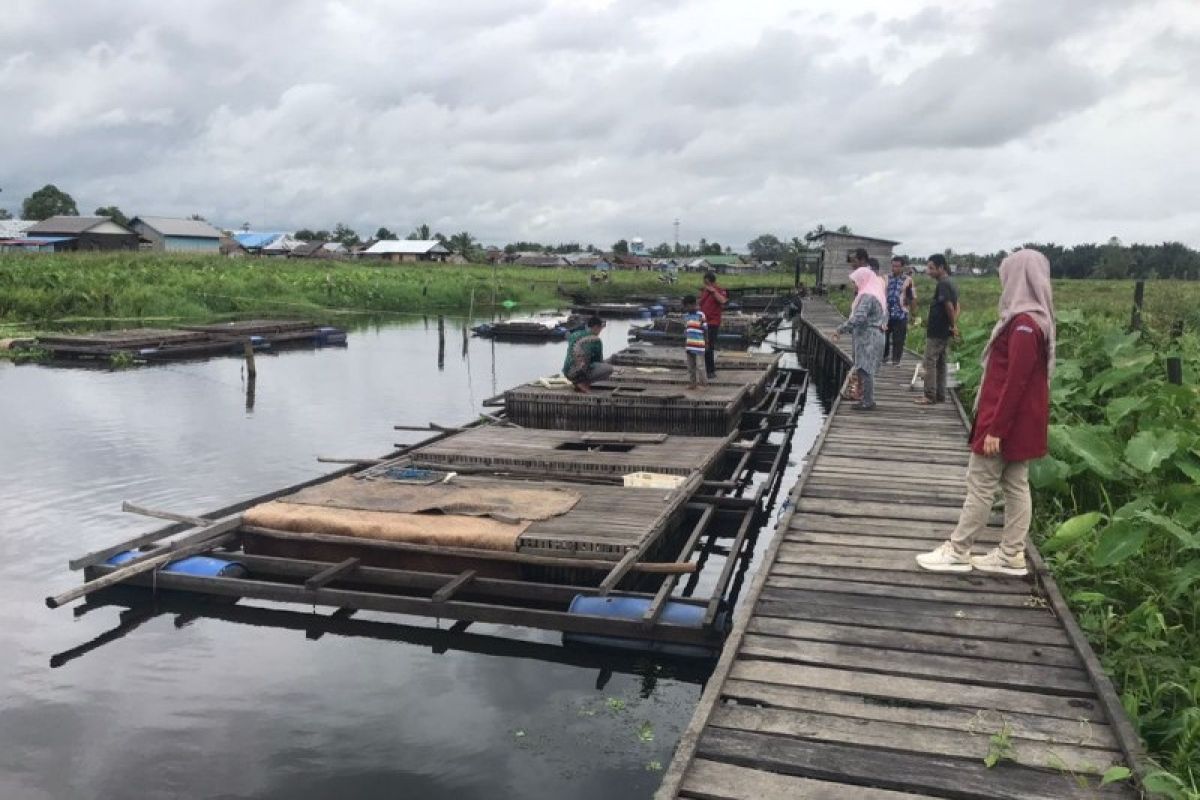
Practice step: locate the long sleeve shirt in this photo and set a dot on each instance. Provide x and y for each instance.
(1014, 401)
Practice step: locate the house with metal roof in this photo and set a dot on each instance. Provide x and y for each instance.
(86, 233)
(178, 235)
(15, 239)
(15, 228)
(406, 250)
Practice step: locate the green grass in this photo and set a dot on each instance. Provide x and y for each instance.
(91, 290)
(1117, 500)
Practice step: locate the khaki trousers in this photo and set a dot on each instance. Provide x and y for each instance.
(986, 475)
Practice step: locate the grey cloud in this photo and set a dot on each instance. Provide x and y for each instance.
(551, 120)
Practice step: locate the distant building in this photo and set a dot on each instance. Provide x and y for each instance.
(630, 261)
(267, 243)
(637, 246)
(85, 233)
(15, 228)
(543, 262)
(407, 250)
(837, 251)
(178, 235)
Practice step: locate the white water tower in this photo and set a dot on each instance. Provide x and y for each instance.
(637, 247)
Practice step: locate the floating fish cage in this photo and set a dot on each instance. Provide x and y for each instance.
(194, 341)
(675, 358)
(754, 379)
(572, 454)
(529, 330)
(639, 407)
(613, 310)
(512, 525)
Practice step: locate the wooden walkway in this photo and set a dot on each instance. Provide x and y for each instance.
(852, 674)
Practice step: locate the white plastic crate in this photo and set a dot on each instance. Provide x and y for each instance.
(653, 480)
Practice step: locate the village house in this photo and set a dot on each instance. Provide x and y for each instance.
(85, 233)
(837, 252)
(406, 250)
(178, 235)
(542, 262)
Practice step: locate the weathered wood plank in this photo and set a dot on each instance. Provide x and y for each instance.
(899, 543)
(973, 745)
(922, 690)
(712, 780)
(901, 621)
(1081, 733)
(973, 597)
(915, 642)
(927, 773)
(868, 603)
(950, 580)
(954, 669)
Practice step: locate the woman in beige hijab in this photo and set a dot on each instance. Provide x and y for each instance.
(1012, 418)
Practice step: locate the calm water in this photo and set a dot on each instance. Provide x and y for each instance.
(161, 702)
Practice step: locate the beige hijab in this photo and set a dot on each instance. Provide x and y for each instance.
(1025, 289)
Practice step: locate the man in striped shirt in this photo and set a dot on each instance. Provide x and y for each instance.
(695, 331)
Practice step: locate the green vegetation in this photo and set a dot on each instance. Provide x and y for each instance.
(44, 287)
(1117, 501)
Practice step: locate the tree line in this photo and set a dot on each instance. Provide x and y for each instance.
(1112, 260)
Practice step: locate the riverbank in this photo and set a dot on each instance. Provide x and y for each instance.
(91, 290)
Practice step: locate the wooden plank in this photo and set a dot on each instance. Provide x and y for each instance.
(915, 642)
(453, 586)
(953, 669)
(950, 596)
(850, 508)
(1007, 631)
(869, 543)
(712, 780)
(869, 604)
(917, 689)
(332, 573)
(974, 745)
(926, 773)
(1035, 727)
(168, 515)
(932, 580)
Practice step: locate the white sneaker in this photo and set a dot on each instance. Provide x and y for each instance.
(944, 559)
(995, 561)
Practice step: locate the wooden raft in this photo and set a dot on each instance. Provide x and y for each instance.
(630, 406)
(652, 356)
(572, 453)
(851, 673)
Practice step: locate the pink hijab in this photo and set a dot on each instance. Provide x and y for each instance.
(1025, 289)
(867, 282)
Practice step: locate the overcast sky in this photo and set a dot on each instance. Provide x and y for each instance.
(972, 125)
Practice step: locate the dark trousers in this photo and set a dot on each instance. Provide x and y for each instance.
(710, 353)
(893, 341)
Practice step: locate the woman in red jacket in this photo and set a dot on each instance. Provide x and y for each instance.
(1012, 417)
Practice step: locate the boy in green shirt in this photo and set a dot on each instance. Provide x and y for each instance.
(584, 364)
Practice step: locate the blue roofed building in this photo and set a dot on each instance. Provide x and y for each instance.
(178, 235)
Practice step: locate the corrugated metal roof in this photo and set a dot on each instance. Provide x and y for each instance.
(66, 224)
(12, 228)
(170, 226)
(415, 247)
(252, 240)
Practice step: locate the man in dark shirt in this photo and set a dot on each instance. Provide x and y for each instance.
(940, 328)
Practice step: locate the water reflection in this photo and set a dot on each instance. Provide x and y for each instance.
(169, 698)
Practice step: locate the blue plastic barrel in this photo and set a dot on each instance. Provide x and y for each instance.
(685, 615)
(644, 312)
(657, 310)
(202, 566)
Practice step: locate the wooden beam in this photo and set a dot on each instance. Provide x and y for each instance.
(465, 552)
(331, 573)
(453, 585)
(168, 515)
(137, 567)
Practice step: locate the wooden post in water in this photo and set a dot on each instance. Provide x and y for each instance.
(441, 342)
(1135, 320)
(251, 374)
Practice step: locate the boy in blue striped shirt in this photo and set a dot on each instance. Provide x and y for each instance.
(695, 329)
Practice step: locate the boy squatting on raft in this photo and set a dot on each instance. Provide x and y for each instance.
(1012, 417)
(584, 364)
